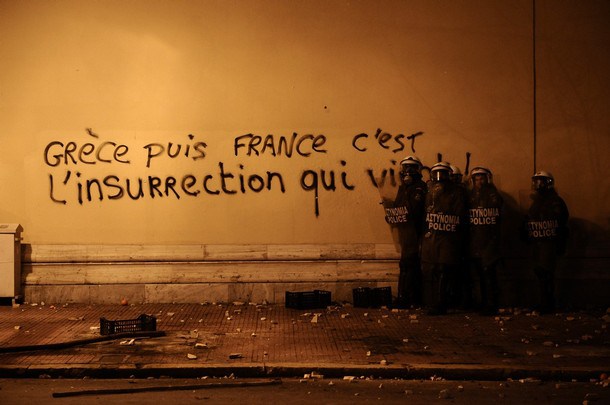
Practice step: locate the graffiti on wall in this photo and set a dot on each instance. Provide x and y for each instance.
(68, 160)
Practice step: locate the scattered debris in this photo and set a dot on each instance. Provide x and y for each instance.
(129, 342)
(444, 394)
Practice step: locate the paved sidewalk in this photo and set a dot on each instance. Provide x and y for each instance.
(269, 340)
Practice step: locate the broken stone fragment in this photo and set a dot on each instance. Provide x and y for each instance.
(444, 394)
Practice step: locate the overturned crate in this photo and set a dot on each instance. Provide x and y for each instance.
(308, 299)
(143, 323)
(367, 297)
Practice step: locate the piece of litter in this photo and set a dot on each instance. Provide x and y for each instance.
(17, 327)
(201, 345)
(444, 394)
(80, 318)
(191, 356)
(368, 353)
(383, 362)
(127, 342)
(235, 356)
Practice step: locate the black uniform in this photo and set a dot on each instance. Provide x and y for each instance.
(408, 215)
(442, 245)
(547, 232)
(485, 205)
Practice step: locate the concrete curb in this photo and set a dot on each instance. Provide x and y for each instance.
(292, 370)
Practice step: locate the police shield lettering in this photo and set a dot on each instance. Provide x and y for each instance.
(543, 229)
(484, 216)
(397, 215)
(442, 222)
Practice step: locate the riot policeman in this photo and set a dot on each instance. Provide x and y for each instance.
(547, 232)
(442, 243)
(408, 210)
(485, 205)
(461, 282)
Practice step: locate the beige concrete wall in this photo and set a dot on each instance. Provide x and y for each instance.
(136, 73)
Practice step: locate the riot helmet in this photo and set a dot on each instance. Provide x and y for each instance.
(480, 176)
(410, 169)
(542, 181)
(440, 172)
(456, 174)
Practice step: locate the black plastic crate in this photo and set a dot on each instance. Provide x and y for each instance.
(366, 297)
(143, 323)
(362, 297)
(307, 299)
(382, 297)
